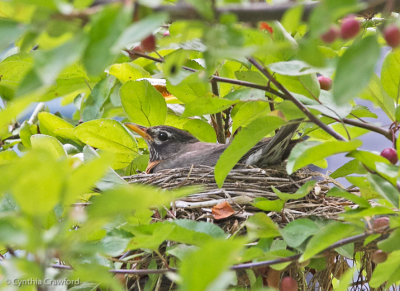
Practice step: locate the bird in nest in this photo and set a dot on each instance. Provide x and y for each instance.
(172, 148)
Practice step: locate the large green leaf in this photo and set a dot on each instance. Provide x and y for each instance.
(9, 32)
(48, 143)
(355, 66)
(204, 268)
(93, 107)
(261, 226)
(292, 68)
(385, 189)
(378, 96)
(200, 129)
(48, 64)
(300, 193)
(106, 29)
(308, 152)
(191, 89)
(13, 69)
(53, 125)
(297, 231)
(139, 30)
(143, 103)
(248, 137)
(109, 135)
(387, 272)
(390, 75)
(326, 236)
(38, 182)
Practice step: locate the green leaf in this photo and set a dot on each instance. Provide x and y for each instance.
(244, 113)
(48, 64)
(109, 135)
(355, 66)
(191, 89)
(200, 226)
(297, 231)
(351, 167)
(306, 153)
(261, 226)
(326, 236)
(300, 193)
(390, 75)
(203, 7)
(345, 280)
(39, 175)
(9, 32)
(13, 69)
(337, 192)
(385, 189)
(48, 143)
(106, 28)
(53, 125)
(126, 199)
(268, 205)
(25, 133)
(206, 105)
(369, 159)
(143, 103)
(93, 106)
(391, 243)
(248, 137)
(83, 178)
(292, 18)
(292, 68)
(204, 268)
(387, 272)
(139, 30)
(201, 129)
(128, 72)
(7, 157)
(378, 96)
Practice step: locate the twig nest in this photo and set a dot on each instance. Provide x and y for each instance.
(241, 187)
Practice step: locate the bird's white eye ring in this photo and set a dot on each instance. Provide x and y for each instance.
(162, 136)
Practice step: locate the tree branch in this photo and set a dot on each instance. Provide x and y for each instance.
(260, 11)
(342, 242)
(365, 125)
(219, 129)
(290, 97)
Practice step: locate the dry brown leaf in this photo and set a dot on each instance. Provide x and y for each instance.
(222, 210)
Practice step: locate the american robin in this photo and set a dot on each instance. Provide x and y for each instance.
(171, 148)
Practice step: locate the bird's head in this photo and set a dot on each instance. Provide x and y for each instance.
(163, 141)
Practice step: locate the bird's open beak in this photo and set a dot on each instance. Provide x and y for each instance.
(141, 130)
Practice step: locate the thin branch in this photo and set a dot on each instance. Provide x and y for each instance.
(261, 11)
(219, 129)
(339, 243)
(365, 125)
(134, 54)
(290, 97)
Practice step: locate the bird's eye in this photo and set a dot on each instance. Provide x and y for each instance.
(162, 136)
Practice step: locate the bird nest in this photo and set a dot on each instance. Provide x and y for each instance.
(240, 188)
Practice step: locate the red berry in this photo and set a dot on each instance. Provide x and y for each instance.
(379, 256)
(350, 27)
(392, 35)
(325, 82)
(330, 35)
(380, 224)
(390, 154)
(289, 284)
(149, 43)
